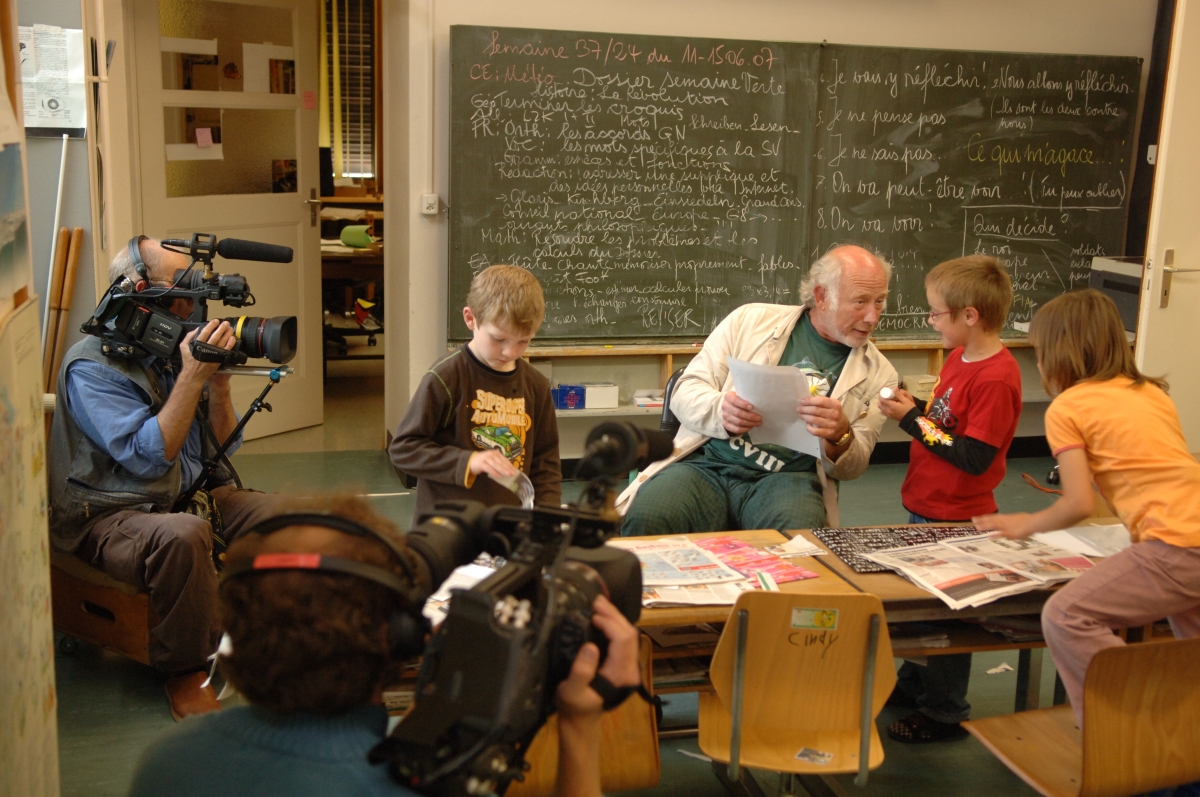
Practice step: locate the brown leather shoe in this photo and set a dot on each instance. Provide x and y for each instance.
(188, 697)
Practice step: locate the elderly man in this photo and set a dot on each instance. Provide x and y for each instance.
(125, 443)
(718, 478)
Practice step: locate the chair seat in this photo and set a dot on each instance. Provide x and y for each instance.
(92, 606)
(76, 567)
(776, 749)
(1044, 747)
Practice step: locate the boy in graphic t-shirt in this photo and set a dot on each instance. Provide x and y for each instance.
(957, 458)
(481, 413)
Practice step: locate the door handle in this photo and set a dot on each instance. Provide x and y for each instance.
(1168, 270)
(312, 201)
(314, 207)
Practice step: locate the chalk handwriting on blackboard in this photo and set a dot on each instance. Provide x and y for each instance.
(654, 183)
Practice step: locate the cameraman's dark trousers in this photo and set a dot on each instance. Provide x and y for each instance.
(170, 555)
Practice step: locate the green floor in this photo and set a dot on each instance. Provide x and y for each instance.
(110, 707)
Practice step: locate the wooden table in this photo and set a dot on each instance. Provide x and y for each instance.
(903, 601)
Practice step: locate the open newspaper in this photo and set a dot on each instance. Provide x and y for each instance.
(696, 595)
(676, 561)
(973, 571)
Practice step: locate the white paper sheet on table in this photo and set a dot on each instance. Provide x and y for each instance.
(774, 390)
(1089, 540)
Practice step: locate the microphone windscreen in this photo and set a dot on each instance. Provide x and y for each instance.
(236, 249)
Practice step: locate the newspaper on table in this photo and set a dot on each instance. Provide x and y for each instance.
(796, 547)
(676, 561)
(1096, 541)
(750, 561)
(1028, 557)
(960, 579)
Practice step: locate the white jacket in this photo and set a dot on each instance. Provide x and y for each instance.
(758, 333)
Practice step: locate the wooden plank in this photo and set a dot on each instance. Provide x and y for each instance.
(615, 350)
(908, 344)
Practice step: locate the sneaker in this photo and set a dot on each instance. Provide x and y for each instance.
(918, 728)
(188, 696)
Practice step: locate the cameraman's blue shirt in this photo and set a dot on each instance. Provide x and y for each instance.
(115, 414)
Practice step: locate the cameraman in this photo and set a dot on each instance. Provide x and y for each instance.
(125, 443)
(309, 650)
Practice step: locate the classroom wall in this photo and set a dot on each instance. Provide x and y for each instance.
(44, 156)
(416, 255)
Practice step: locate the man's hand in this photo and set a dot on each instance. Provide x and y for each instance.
(898, 406)
(1016, 526)
(738, 415)
(823, 417)
(214, 333)
(491, 462)
(576, 698)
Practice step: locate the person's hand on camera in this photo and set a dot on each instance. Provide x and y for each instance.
(900, 404)
(214, 333)
(493, 463)
(738, 415)
(576, 698)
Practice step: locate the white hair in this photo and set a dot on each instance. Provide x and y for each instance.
(122, 265)
(827, 272)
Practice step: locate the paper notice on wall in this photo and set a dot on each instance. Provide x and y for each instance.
(53, 80)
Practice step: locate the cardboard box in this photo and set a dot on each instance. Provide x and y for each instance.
(568, 397)
(648, 397)
(601, 395)
(920, 385)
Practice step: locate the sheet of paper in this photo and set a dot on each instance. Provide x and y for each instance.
(204, 137)
(1089, 540)
(796, 546)
(774, 391)
(464, 577)
(52, 77)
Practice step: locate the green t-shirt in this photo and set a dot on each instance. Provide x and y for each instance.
(810, 352)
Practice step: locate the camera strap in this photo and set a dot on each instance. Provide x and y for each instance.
(614, 696)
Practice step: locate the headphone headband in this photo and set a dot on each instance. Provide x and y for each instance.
(135, 256)
(337, 523)
(313, 561)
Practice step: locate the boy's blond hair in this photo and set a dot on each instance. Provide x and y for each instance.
(977, 281)
(507, 296)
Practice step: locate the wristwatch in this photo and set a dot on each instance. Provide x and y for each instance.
(841, 441)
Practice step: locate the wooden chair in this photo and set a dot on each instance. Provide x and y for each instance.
(628, 746)
(1141, 704)
(793, 673)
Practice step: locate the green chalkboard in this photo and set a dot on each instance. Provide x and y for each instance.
(654, 183)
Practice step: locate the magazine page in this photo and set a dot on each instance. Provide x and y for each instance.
(959, 579)
(750, 561)
(675, 561)
(1029, 557)
(1096, 541)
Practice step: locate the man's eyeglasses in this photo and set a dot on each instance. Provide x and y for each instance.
(933, 315)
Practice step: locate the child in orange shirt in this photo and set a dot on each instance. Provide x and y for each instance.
(1111, 423)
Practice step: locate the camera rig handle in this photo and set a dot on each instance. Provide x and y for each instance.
(258, 405)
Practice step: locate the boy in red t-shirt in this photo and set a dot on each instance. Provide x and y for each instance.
(960, 439)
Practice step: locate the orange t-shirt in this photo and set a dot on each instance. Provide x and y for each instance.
(1137, 453)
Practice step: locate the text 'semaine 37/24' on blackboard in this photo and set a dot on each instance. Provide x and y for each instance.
(654, 183)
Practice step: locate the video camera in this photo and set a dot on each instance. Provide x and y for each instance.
(133, 321)
(491, 671)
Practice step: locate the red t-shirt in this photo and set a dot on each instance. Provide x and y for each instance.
(980, 400)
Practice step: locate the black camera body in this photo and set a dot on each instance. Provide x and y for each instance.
(137, 323)
(490, 673)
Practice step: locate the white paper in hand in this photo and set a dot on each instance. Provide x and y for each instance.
(775, 390)
(521, 485)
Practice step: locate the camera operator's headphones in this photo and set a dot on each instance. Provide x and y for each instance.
(407, 627)
(139, 265)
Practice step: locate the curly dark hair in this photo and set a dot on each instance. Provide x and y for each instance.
(309, 641)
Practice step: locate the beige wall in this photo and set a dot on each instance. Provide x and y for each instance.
(417, 246)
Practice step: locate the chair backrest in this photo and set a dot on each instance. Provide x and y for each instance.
(669, 423)
(1141, 718)
(805, 655)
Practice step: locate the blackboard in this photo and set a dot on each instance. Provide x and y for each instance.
(654, 183)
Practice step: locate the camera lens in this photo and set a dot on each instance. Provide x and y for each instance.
(272, 338)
